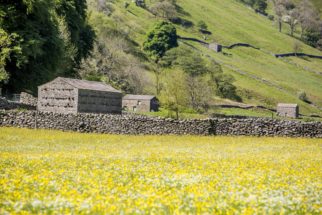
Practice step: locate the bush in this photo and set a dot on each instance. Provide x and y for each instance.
(303, 97)
(271, 17)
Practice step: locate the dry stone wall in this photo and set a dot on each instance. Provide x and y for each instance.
(141, 125)
(8, 105)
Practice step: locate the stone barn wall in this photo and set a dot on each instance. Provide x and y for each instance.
(216, 47)
(136, 105)
(142, 125)
(99, 101)
(58, 97)
(288, 110)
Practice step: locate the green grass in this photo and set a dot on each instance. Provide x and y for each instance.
(246, 112)
(52, 172)
(276, 80)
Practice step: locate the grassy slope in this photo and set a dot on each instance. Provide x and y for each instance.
(266, 79)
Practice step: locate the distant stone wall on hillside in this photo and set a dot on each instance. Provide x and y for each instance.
(142, 125)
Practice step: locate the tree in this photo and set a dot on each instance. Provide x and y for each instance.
(292, 19)
(319, 44)
(222, 83)
(281, 8)
(202, 26)
(192, 64)
(311, 37)
(258, 5)
(204, 78)
(47, 39)
(8, 49)
(164, 9)
(161, 39)
(174, 96)
(140, 3)
(309, 17)
(200, 91)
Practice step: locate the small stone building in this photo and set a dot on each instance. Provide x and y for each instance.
(140, 103)
(65, 95)
(288, 110)
(216, 47)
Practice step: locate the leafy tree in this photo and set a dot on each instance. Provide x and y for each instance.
(174, 95)
(225, 87)
(204, 79)
(47, 39)
(311, 37)
(192, 64)
(223, 83)
(260, 6)
(140, 3)
(161, 39)
(8, 49)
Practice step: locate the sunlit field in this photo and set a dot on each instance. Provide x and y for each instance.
(58, 173)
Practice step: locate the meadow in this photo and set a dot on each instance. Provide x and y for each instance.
(52, 172)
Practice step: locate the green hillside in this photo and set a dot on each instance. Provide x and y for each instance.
(261, 78)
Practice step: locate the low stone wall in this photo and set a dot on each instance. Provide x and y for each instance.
(135, 124)
(293, 54)
(240, 45)
(8, 105)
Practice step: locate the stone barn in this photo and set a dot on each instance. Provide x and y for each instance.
(65, 95)
(288, 110)
(216, 47)
(140, 103)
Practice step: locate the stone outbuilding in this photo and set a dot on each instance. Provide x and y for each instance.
(216, 47)
(65, 95)
(140, 103)
(288, 110)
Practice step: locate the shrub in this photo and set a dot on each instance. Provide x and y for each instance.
(302, 96)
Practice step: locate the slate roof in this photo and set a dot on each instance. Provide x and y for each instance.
(287, 105)
(88, 85)
(138, 97)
